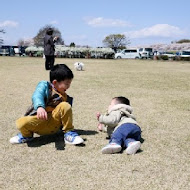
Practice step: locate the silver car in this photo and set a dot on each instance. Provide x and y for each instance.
(128, 54)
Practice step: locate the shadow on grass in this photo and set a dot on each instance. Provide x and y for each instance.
(86, 132)
(58, 138)
(142, 140)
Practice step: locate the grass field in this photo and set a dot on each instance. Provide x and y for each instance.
(160, 95)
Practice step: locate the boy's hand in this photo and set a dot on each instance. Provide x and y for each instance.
(41, 113)
(98, 115)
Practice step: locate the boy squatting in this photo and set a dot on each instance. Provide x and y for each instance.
(121, 126)
(50, 110)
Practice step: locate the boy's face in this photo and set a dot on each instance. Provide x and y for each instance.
(62, 86)
(113, 102)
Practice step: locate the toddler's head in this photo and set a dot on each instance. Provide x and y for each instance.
(61, 77)
(119, 100)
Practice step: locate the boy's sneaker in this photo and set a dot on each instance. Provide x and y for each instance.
(19, 139)
(133, 147)
(111, 148)
(72, 137)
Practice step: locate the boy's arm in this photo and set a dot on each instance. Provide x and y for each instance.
(40, 94)
(111, 120)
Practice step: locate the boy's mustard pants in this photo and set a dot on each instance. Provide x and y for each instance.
(60, 116)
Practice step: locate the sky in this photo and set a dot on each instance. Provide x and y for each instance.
(85, 22)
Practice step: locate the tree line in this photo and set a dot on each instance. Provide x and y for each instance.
(114, 41)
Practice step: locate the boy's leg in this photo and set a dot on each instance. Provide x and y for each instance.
(60, 116)
(129, 136)
(135, 135)
(63, 114)
(133, 147)
(119, 135)
(111, 148)
(124, 132)
(115, 143)
(132, 141)
(27, 126)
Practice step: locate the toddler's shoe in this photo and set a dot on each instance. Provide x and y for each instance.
(72, 137)
(19, 139)
(133, 147)
(111, 148)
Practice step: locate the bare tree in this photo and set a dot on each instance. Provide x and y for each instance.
(3, 32)
(23, 42)
(116, 41)
(38, 39)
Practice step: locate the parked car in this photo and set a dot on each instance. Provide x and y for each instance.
(128, 54)
(146, 53)
(185, 53)
(169, 54)
(16, 50)
(4, 51)
(7, 50)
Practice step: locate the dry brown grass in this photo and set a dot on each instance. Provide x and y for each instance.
(159, 93)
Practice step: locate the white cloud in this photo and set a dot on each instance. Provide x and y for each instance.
(103, 22)
(8, 23)
(158, 30)
(54, 22)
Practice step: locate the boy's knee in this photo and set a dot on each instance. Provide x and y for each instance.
(21, 123)
(65, 106)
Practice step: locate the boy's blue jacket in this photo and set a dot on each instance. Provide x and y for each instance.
(43, 96)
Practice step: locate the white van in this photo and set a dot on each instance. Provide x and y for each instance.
(128, 54)
(146, 53)
(185, 53)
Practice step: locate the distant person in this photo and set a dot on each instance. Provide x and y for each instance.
(50, 110)
(121, 126)
(49, 49)
(12, 51)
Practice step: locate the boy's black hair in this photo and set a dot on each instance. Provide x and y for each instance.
(60, 72)
(122, 100)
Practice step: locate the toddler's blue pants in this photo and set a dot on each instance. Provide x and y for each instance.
(126, 133)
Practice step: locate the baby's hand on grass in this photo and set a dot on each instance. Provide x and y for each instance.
(41, 113)
(98, 115)
(100, 127)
